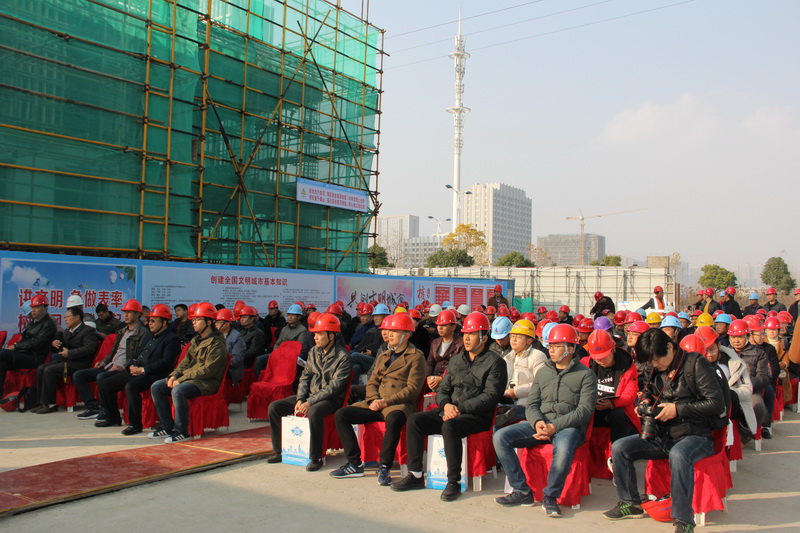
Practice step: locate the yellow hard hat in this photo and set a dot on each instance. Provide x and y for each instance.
(524, 327)
(400, 310)
(705, 320)
(653, 318)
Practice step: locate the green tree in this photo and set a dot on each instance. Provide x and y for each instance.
(776, 274)
(514, 259)
(449, 258)
(717, 277)
(379, 257)
(608, 261)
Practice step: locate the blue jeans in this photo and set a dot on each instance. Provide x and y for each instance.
(682, 455)
(564, 442)
(181, 394)
(362, 363)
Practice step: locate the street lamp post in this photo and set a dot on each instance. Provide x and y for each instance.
(456, 205)
(439, 224)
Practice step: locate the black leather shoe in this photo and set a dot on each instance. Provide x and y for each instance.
(274, 458)
(107, 423)
(451, 492)
(45, 410)
(131, 430)
(314, 465)
(410, 482)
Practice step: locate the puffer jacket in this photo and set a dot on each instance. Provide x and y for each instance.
(696, 403)
(474, 388)
(325, 376)
(37, 337)
(740, 384)
(565, 399)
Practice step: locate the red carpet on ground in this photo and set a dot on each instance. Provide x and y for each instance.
(33, 487)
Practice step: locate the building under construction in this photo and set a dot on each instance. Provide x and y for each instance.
(186, 129)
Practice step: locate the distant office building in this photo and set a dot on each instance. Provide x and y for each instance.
(503, 213)
(393, 231)
(565, 250)
(416, 250)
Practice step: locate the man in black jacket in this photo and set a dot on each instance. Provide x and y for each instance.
(685, 397)
(467, 397)
(729, 305)
(32, 349)
(74, 348)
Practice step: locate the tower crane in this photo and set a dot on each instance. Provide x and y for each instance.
(582, 219)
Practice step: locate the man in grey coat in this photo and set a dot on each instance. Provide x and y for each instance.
(560, 406)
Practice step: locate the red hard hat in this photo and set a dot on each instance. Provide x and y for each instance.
(708, 335)
(660, 510)
(313, 316)
(491, 310)
(503, 311)
(327, 322)
(498, 288)
(657, 288)
(309, 306)
(39, 299)
(205, 310)
(563, 333)
(414, 313)
(339, 303)
(771, 290)
(365, 309)
(530, 316)
(478, 308)
(738, 328)
(301, 304)
(772, 313)
(335, 309)
(785, 317)
(238, 307)
(248, 310)
(401, 322)
(475, 322)
(693, 343)
(514, 315)
(552, 316)
(10, 401)
(701, 292)
(731, 291)
(673, 313)
(541, 309)
(225, 315)
(577, 319)
(640, 326)
(772, 323)
(419, 307)
(600, 344)
(161, 311)
(564, 309)
(373, 303)
(273, 304)
(448, 316)
(190, 311)
(619, 318)
(132, 305)
(586, 325)
(762, 312)
(717, 313)
(697, 312)
(632, 317)
(540, 326)
(709, 292)
(598, 295)
(387, 323)
(754, 323)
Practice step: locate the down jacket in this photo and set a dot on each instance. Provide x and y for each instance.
(474, 388)
(566, 399)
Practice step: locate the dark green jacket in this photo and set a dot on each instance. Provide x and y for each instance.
(205, 363)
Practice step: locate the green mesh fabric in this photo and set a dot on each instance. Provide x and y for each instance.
(126, 125)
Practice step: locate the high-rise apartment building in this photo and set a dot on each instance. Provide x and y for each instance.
(503, 213)
(565, 250)
(392, 232)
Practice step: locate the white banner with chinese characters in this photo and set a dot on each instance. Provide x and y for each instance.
(315, 192)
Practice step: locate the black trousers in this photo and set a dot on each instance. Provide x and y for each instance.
(316, 422)
(347, 416)
(617, 420)
(49, 375)
(421, 425)
(14, 360)
(133, 393)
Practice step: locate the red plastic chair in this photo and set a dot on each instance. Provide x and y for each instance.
(712, 479)
(277, 380)
(66, 393)
(536, 461)
(209, 411)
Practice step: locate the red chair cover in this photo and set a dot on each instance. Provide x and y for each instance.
(149, 415)
(794, 391)
(66, 393)
(780, 403)
(599, 452)
(370, 438)
(536, 463)
(16, 380)
(237, 393)
(274, 332)
(712, 477)
(277, 380)
(734, 451)
(330, 439)
(3, 335)
(209, 411)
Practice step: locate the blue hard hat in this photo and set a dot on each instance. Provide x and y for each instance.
(641, 312)
(381, 309)
(446, 304)
(723, 318)
(501, 327)
(753, 296)
(294, 309)
(684, 315)
(546, 332)
(670, 321)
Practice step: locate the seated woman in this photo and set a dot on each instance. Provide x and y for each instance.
(522, 363)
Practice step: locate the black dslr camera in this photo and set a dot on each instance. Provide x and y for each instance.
(648, 410)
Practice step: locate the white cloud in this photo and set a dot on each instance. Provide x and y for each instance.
(25, 277)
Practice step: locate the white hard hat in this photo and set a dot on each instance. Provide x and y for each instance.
(73, 300)
(435, 310)
(463, 309)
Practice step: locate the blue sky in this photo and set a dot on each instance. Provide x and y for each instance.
(690, 111)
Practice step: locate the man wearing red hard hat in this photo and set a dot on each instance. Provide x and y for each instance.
(498, 297)
(656, 303)
(729, 305)
(772, 301)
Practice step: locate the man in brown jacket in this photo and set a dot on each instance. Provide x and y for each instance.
(392, 393)
(199, 373)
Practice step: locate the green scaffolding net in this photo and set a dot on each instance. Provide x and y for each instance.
(176, 129)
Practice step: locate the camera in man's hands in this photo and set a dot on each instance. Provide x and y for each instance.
(648, 410)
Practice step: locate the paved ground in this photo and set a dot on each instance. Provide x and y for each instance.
(255, 495)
